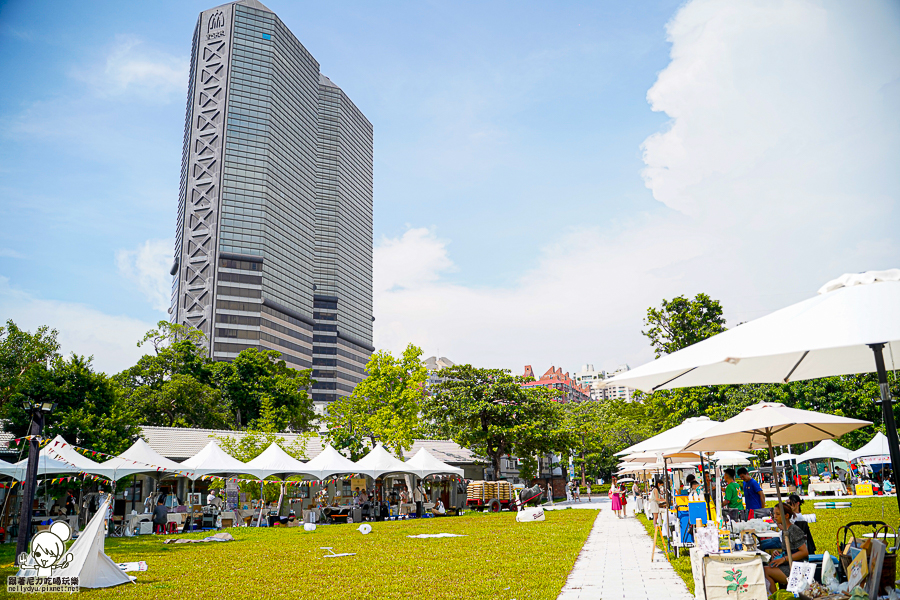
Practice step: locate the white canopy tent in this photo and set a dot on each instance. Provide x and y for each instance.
(7, 469)
(330, 462)
(212, 459)
(274, 461)
(423, 464)
(379, 462)
(826, 449)
(783, 458)
(60, 449)
(46, 466)
(141, 458)
(876, 451)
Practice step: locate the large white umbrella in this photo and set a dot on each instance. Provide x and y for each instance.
(847, 328)
(672, 439)
(725, 457)
(770, 424)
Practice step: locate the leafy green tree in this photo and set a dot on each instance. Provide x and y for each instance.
(177, 350)
(681, 322)
(384, 407)
(255, 375)
(21, 350)
(181, 401)
(90, 409)
(489, 412)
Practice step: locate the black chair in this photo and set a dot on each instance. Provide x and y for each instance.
(810, 544)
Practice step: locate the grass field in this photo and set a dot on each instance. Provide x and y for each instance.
(498, 558)
(824, 530)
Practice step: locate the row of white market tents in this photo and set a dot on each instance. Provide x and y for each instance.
(58, 457)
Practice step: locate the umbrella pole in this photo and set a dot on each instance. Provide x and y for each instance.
(787, 539)
(705, 488)
(668, 529)
(887, 410)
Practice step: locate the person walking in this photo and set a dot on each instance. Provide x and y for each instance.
(753, 495)
(657, 501)
(615, 494)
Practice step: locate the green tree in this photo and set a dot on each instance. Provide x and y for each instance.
(489, 412)
(680, 322)
(90, 409)
(384, 407)
(21, 350)
(177, 350)
(181, 401)
(255, 375)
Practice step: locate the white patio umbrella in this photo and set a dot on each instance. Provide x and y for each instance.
(725, 457)
(845, 329)
(672, 439)
(770, 424)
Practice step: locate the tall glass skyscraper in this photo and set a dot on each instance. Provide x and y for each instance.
(273, 246)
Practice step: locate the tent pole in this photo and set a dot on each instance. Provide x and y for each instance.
(887, 410)
(786, 537)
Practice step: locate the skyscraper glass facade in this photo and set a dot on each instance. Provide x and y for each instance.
(275, 213)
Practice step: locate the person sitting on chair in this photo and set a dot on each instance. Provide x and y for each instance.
(160, 516)
(779, 568)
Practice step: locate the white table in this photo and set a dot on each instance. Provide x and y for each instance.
(835, 487)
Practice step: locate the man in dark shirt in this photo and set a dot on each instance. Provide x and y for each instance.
(753, 494)
(160, 516)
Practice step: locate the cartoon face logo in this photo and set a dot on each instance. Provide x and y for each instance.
(48, 549)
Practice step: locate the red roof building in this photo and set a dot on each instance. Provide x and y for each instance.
(555, 378)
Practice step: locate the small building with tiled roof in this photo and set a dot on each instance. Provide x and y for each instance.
(571, 390)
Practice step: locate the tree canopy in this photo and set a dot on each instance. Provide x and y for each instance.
(490, 412)
(384, 407)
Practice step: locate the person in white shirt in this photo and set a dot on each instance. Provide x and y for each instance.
(438, 509)
(696, 494)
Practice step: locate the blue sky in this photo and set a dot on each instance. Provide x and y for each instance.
(531, 201)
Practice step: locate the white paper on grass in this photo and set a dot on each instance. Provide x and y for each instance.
(435, 535)
(90, 563)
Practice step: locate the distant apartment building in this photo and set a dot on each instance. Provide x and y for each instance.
(435, 364)
(571, 390)
(617, 392)
(590, 379)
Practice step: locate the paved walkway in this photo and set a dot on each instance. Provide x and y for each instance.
(615, 564)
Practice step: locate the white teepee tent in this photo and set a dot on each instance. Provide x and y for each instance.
(90, 563)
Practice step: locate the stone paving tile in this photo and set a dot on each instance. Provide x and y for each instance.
(614, 564)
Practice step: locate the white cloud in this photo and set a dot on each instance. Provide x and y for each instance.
(110, 339)
(132, 66)
(778, 165)
(148, 267)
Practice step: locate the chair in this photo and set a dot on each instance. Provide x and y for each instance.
(810, 544)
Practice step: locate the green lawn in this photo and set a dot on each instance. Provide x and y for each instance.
(498, 558)
(824, 530)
